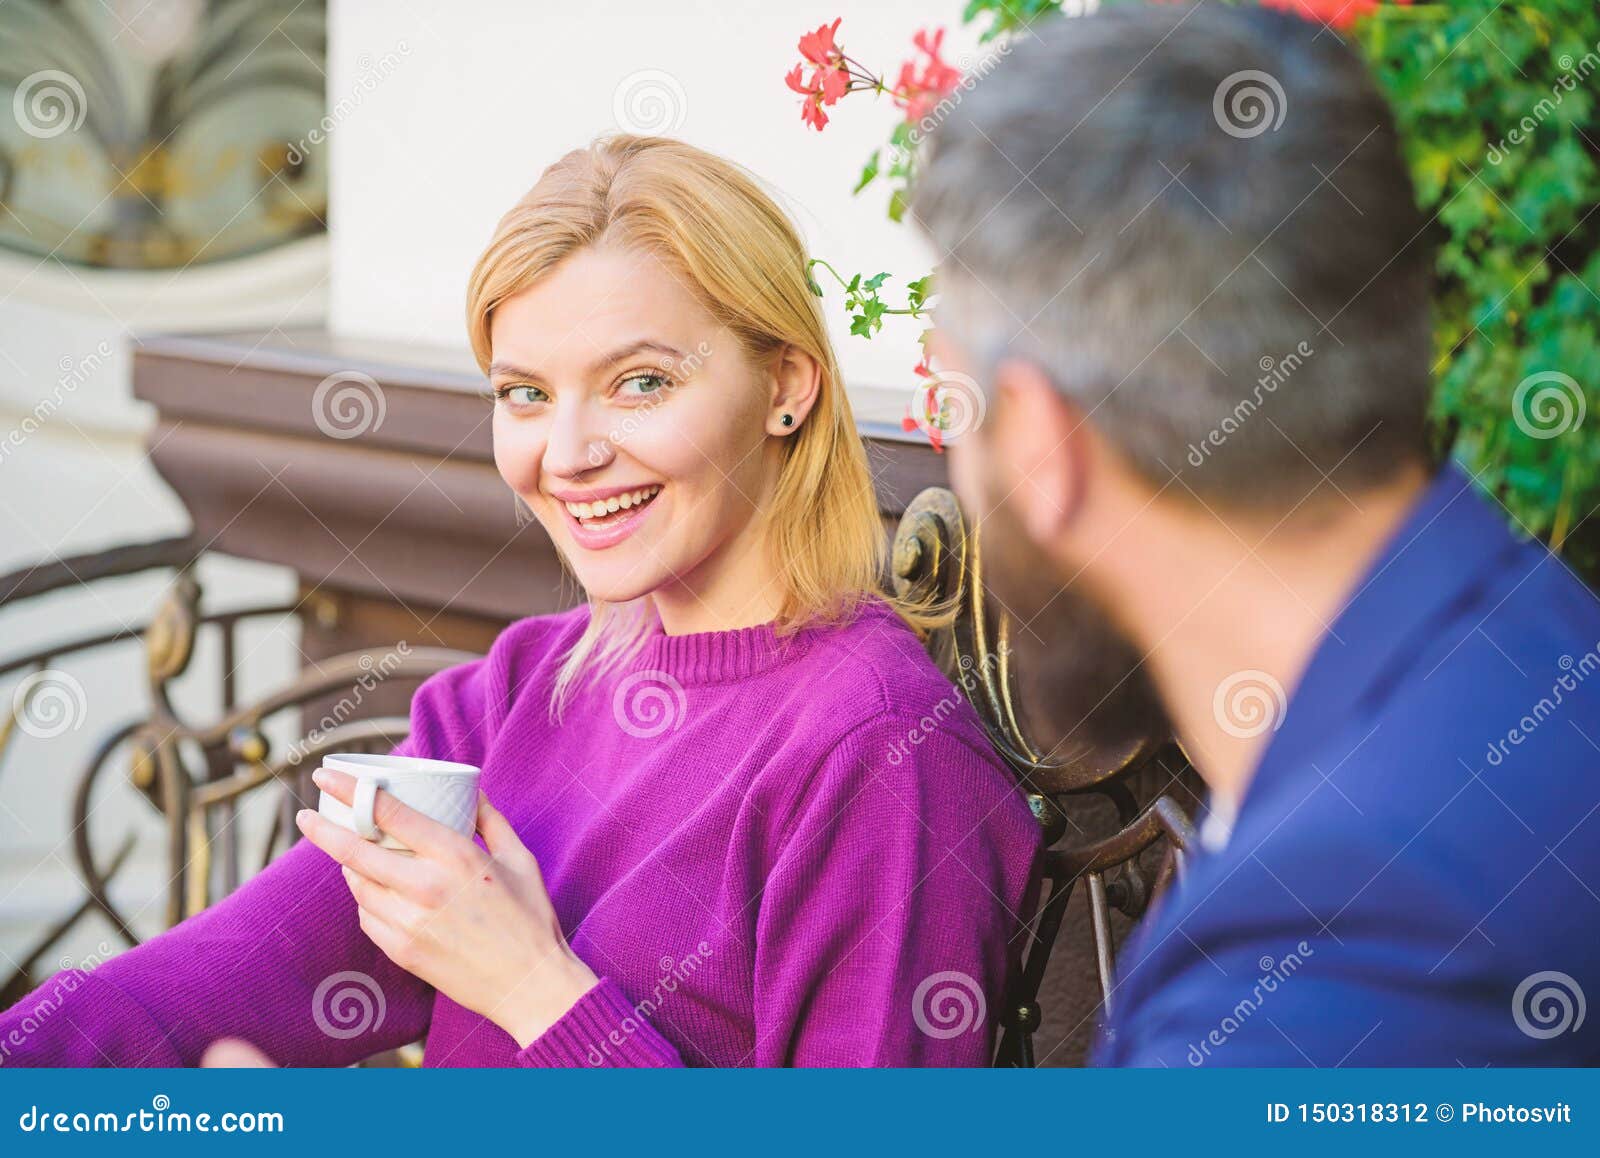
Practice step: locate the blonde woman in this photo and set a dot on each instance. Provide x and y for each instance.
(739, 818)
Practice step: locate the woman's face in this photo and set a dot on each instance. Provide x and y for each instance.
(636, 429)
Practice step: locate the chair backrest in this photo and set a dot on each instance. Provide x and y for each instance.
(937, 564)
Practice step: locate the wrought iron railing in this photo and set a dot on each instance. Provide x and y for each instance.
(193, 774)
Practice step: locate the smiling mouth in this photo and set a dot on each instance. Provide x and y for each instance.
(609, 512)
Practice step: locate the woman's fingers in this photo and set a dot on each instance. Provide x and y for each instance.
(389, 905)
(400, 945)
(421, 834)
(382, 934)
(500, 838)
(233, 1053)
(384, 865)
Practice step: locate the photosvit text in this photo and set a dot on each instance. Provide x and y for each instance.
(1380, 1113)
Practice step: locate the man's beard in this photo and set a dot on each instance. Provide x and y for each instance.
(1081, 681)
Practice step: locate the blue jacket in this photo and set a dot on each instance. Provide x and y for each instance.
(1413, 876)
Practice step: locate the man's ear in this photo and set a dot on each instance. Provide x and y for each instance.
(796, 381)
(1039, 439)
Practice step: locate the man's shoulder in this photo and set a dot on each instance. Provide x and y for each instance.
(1430, 855)
(1488, 738)
(1412, 874)
(1467, 807)
(1471, 759)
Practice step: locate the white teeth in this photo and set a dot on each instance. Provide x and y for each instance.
(602, 507)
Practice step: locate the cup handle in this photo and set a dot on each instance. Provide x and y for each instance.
(361, 807)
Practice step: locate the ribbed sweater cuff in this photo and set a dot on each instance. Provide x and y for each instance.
(603, 1030)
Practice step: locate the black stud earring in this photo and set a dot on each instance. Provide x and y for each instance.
(788, 420)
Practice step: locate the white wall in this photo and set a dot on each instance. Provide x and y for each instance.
(480, 95)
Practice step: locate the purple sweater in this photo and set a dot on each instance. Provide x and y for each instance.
(795, 852)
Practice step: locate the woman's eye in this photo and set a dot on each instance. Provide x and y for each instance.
(521, 395)
(642, 385)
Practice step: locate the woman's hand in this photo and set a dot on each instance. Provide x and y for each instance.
(477, 926)
(234, 1053)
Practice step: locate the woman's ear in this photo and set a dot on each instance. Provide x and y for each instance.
(796, 382)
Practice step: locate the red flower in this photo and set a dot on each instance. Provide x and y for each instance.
(829, 79)
(920, 89)
(927, 395)
(811, 111)
(1339, 14)
(819, 48)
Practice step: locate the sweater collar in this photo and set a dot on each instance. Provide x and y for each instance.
(709, 657)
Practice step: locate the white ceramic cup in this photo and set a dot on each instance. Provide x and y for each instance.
(441, 789)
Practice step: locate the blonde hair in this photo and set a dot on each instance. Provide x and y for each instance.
(728, 240)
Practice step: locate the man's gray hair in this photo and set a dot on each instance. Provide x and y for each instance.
(1197, 221)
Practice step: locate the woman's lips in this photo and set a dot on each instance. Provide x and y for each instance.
(610, 531)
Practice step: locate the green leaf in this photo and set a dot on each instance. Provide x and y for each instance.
(869, 172)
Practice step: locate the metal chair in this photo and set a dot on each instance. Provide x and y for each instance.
(937, 565)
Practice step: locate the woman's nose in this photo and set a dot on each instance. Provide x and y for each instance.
(579, 441)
